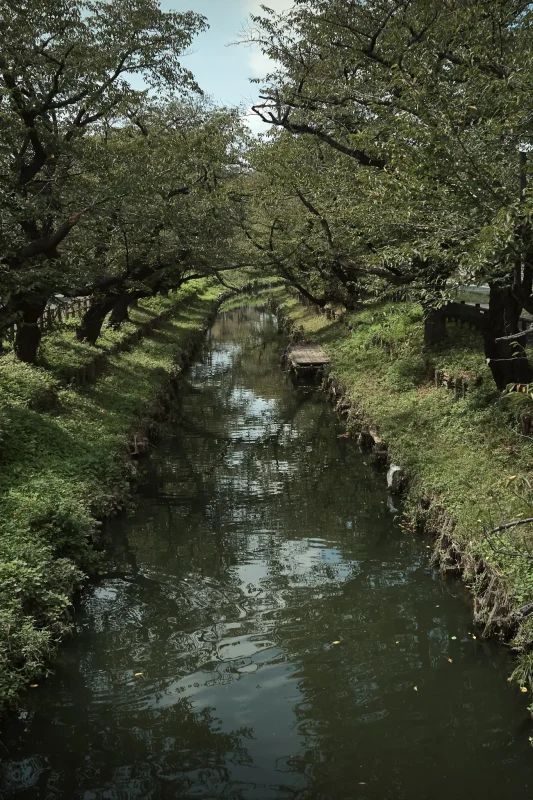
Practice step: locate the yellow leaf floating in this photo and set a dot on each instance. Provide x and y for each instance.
(474, 637)
(138, 674)
(454, 637)
(34, 685)
(523, 689)
(397, 642)
(450, 660)
(415, 688)
(337, 642)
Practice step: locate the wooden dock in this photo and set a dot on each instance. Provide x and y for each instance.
(305, 357)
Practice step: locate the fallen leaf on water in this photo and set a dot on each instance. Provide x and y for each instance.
(437, 606)
(415, 688)
(397, 642)
(362, 783)
(337, 642)
(454, 637)
(450, 660)
(467, 586)
(343, 436)
(474, 637)
(34, 685)
(523, 689)
(138, 674)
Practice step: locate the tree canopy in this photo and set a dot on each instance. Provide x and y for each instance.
(397, 159)
(403, 131)
(105, 188)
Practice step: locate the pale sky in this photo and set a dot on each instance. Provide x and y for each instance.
(223, 71)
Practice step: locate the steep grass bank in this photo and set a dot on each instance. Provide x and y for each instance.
(461, 454)
(65, 462)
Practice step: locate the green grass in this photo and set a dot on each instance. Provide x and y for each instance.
(65, 464)
(62, 354)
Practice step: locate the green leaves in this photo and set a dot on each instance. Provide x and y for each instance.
(404, 130)
(67, 70)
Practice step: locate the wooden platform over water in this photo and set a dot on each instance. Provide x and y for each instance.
(307, 357)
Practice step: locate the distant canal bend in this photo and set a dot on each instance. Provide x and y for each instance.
(263, 629)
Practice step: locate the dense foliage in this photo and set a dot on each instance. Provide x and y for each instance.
(397, 160)
(400, 158)
(106, 190)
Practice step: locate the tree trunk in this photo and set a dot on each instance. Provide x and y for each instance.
(119, 313)
(28, 334)
(508, 361)
(90, 326)
(351, 297)
(434, 326)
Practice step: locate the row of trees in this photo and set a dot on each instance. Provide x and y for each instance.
(400, 158)
(106, 190)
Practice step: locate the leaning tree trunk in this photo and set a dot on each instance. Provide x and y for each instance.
(434, 326)
(508, 361)
(28, 336)
(90, 326)
(119, 313)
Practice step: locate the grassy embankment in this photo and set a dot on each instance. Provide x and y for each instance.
(65, 462)
(459, 453)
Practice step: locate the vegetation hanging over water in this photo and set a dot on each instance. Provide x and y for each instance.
(396, 170)
(400, 157)
(400, 171)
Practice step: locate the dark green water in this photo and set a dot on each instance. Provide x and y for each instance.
(260, 539)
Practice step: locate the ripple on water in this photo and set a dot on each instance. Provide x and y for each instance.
(263, 625)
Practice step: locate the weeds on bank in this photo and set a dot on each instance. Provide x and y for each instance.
(459, 452)
(465, 454)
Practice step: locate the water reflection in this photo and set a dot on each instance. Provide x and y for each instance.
(262, 624)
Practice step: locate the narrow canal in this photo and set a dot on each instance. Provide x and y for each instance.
(263, 629)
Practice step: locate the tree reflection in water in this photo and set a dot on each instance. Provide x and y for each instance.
(259, 539)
